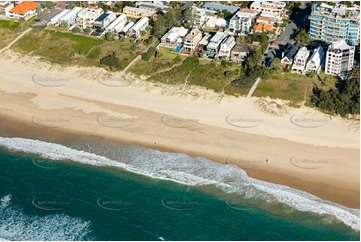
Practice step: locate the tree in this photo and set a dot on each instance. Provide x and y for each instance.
(146, 56)
(109, 36)
(111, 61)
(312, 74)
(276, 63)
(76, 29)
(64, 25)
(159, 27)
(173, 18)
(87, 30)
(343, 100)
(189, 18)
(303, 37)
(48, 4)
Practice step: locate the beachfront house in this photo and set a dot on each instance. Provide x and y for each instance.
(241, 23)
(24, 10)
(215, 23)
(316, 61)
(174, 37)
(5, 7)
(70, 17)
(126, 28)
(300, 60)
(241, 51)
(278, 7)
(138, 27)
(55, 20)
(86, 18)
(226, 47)
(191, 41)
(214, 44)
(289, 53)
(117, 25)
(104, 20)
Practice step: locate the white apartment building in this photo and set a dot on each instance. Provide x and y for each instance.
(300, 60)
(5, 7)
(214, 43)
(87, 17)
(104, 20)
(191, 41)
(117, 25)
(277, 7)
(138, 27)
(174, 37)
(241, 22)
(226, 47)
(339, 59)
(316, 61)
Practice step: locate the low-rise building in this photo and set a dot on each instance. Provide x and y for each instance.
(241, 23)
(5, 7)
(289, 53)
(127, 27)
(300, 60)
(316, 61)
(70, 17)
(215, 23)
(214, 44)
(226, 47)
(174, 37)
(278, 7)
(220, 7)
(25, 10)
(56, 19)
(137, 13)
(339, 59)
(191, 41)
(201, 15)
(86, 18)
(241, 51)
(104, 20)
(117, 25)
(138, 27)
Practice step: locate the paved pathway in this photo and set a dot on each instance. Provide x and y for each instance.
(253, 88)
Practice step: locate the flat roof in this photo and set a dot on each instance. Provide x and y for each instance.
(218, 6)
(102, 17)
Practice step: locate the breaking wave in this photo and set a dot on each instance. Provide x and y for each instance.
(187, 170)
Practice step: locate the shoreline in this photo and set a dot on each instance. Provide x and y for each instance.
(322, 159)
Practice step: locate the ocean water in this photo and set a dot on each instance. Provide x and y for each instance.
(98, 191)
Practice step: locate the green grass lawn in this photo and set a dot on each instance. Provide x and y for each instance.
(9, 30)
(207, 74)
(12, 25)
(72, 49)
(288, 86)
(165, 61)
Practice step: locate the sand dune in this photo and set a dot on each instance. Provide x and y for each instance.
(304, 148)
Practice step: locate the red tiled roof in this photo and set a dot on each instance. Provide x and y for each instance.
(24, 7)
(263, 26)
(247, 10)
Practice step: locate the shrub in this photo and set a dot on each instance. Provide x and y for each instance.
(146, 56)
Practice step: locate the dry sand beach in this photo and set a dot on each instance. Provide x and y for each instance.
(298, 147)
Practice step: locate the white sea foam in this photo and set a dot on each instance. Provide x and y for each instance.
(15, 225)
(190, 171)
